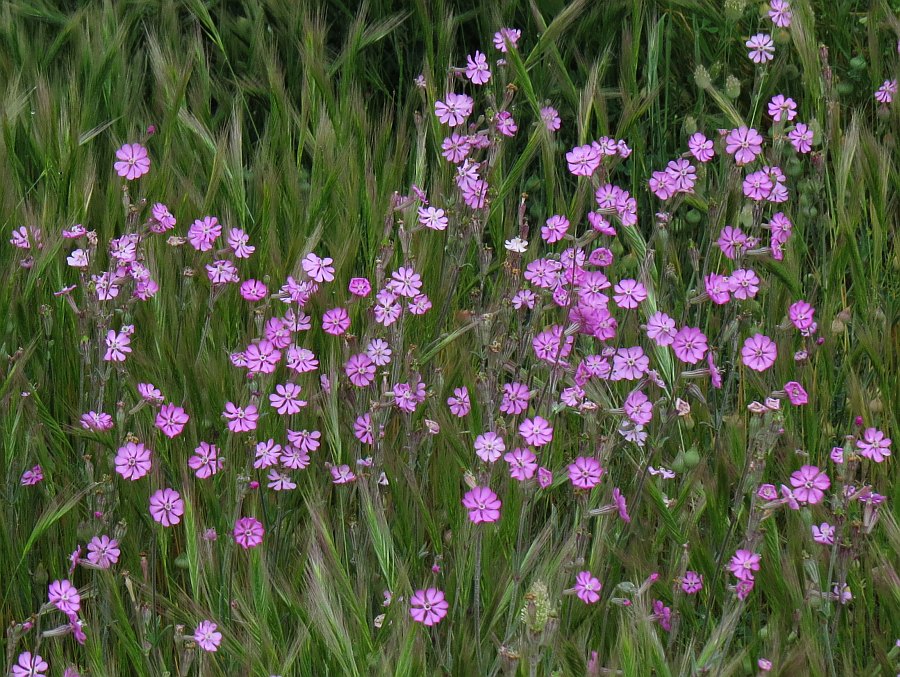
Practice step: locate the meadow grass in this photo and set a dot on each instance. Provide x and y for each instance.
(302, 125)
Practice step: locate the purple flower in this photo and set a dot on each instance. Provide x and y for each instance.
(166, 507)
(103, 551)
(824, 533)
(459, 402)
(701, 147)
(171, 420)
(536, 431)
(796, 394)
(207, 636)
(522, 464)
(29, 665)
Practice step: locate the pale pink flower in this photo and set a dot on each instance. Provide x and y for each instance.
(762, 48)
(205, 462)
(536, 431)
(874, 445)
(103, 551)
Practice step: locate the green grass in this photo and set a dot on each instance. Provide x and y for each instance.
(299, 124)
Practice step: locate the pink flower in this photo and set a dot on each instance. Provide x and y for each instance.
(405, 282)
(222, 271)
(207, 636)
(587, 587)
(253, 290)
(515, 398)
(360, 369)
(662, 185)
(239, 242)
(583, 160)
(732, 242)
(823, 534)
(103, 551)
(459, 402)
(885, 93)
(204, 232)
(537, 431)
(801, 138)
(30, 665)
(796, 394)
(663, 614)
(117, 346)
(428, 606)
(758, 186)
(477, 69)
(661, 329)
(482, 504)
(248, 532)
(335, 321)
(506, 38)
(717, 288)
(764, 664)
(801, 315)
(744, 563)
(318, 269)
(550, 118)
(171, 420)
(31, 477)
(744, 284)
(629, 294)
(780, 14)
(133, 161)
(359, 286)
(759, 352)
(262, 357)
(744, 144)
(98, 422)
(555, 228)
(762, 48)
(454, 110)
(150, 393)
(205, 462)
(545, 477)
(342, 474)
(455, 148)
(585, 472)
(489, 447)
(874, 445)
(621, 504)
(64, 596)
(166, 507)
(240, 419)
(689, 345)
(522, 464)
(638, 407)
(286, 399)
(266, 454)
(809, 484)
(691, 582)
(506, 124)
(132, 461)
(701, 147)
(782, 108)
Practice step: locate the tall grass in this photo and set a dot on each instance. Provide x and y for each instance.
(301, 124)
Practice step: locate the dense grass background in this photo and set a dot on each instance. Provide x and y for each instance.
(298, 123)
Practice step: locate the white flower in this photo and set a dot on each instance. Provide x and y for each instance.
(518, 245)
(78, 259)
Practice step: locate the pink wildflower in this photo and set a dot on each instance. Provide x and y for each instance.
(482, 504)
(428, 607)
(166, 507)
(207, 636)
(587, 587)
(759, 352)
(248, 532)
(133, 161)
